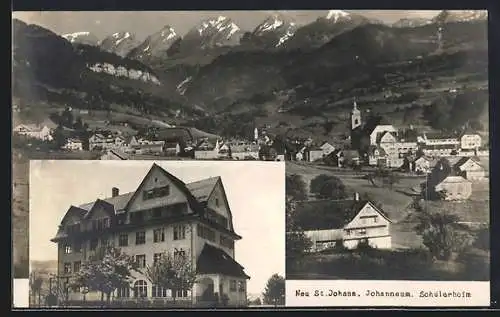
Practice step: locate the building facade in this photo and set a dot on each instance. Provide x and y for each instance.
(163, 215)
(350, 223)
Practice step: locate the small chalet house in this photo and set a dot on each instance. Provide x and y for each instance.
(34, 131)
(163, 214)
(470, 168)
(100, 141)
(73, 145)
(377, 156)
(327, 148)
(422, 164)
(244, 151)
(443, 178)
(349, 222)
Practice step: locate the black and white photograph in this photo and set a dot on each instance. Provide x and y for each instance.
(141, 234)
(379, 118)
(396, 188)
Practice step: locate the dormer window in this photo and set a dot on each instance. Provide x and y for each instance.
(156, 192)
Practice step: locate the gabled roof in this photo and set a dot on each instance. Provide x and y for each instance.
(464, 160)
(193, 203)
(381, 135)
(213, 260)
(109, 208)
(439, 135)
(121, 156)
(455, 179)
(202, 189)
(329, 214)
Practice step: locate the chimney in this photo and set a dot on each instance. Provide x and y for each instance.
(115, 192)
(356, 196)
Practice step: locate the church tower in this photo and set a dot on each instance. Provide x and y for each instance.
(355, 117)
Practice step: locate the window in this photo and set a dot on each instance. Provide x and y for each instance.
(100, 224)
(140, 237)
(67, 268)
(93, 244)
(140, 289)
(67, 249)
(140, 259)
(226, 242)
(123, 292)
(375, 219)
(179, 232)
(156, 257)
(182, 293)
(206, 233)
(232, 286)
(159, 235)
(348, 232)
(362, 231)
(156, 192)
(158, 291)
(123, 240)
(76, 266)
(241, 286)
(217, 202)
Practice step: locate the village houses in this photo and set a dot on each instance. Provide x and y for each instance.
(348, 222)
(34, 131)
(470, 169)
(164, 214)
(445, 179)
(73, 144)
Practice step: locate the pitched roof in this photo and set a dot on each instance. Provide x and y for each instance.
(455, 179)
(439, 135)
(213, 260)
(202, 189)
(382, 134)
(121, 156)
(327, 214)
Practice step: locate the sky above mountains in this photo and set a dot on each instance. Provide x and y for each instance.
(144, 23)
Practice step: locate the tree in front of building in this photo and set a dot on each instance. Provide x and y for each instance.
(109, 270)
(296, 187)
(173, 272)
(442, 233)
(328, 187)
(36, 283)
(274, 294)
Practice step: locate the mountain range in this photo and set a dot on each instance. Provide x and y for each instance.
(217, 69)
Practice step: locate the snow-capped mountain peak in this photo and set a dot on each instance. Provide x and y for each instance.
(221, 23)
(447, 16)
(276, 29)
(270, 24)
(119, 43)
(337, 15)
(155, 45)
(168, 33)
(83, 37)
(72, 36)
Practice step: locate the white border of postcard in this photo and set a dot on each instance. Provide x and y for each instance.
(356, 293)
